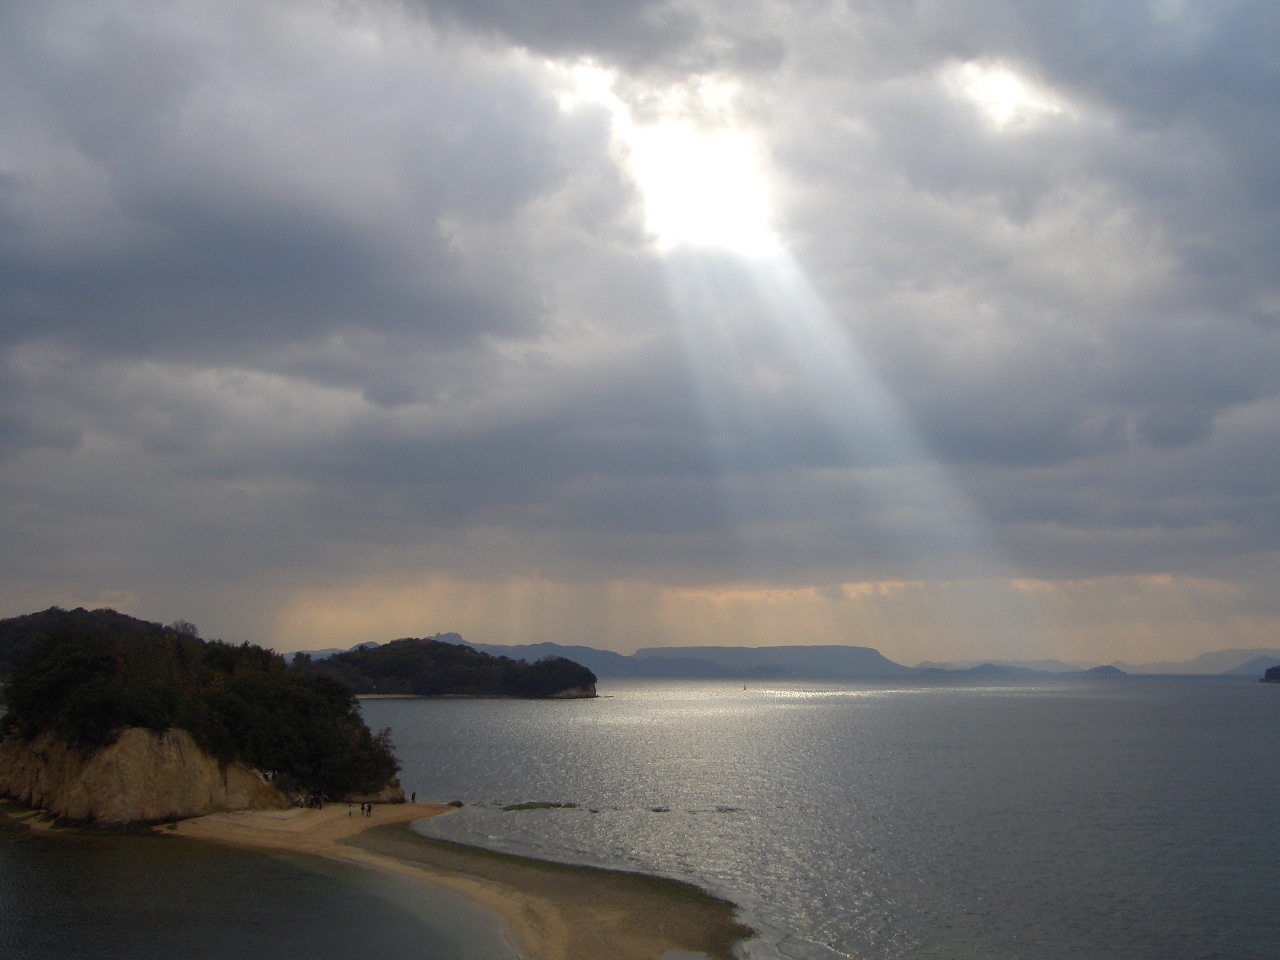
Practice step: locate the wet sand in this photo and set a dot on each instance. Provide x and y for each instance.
(556, 912)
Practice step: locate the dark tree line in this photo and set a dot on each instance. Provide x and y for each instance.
(435, 668)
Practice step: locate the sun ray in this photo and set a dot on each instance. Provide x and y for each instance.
(788, 396)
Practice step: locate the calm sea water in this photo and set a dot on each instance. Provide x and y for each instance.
(163, 898)
(1134, 818)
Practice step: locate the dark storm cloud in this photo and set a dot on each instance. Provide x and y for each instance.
(213, 201)
(634, 29)
(641, 35)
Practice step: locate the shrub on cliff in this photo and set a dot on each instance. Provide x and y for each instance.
(238, 702)
(435, 668)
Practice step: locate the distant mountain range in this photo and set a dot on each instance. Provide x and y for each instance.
(838, 661)
(1231, 662)
(760, 662)
(1220, 661)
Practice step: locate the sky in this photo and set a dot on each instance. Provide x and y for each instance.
(943, 327)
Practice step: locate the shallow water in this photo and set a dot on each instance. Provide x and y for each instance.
(140, 897)
(1035, 819)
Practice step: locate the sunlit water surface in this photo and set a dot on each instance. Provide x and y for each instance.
(1131, 818)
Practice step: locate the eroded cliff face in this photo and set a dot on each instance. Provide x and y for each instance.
(144, 776)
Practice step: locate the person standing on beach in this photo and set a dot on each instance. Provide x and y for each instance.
(349, 809)
(413, 797)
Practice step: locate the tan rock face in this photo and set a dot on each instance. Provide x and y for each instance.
(143, 776)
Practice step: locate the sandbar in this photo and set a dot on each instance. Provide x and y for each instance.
(555, 911)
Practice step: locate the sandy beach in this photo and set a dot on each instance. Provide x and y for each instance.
(555, 912)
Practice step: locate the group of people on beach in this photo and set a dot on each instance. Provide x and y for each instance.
(366, 809)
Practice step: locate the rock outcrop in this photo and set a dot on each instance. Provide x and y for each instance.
(144, 777)
(584, 692)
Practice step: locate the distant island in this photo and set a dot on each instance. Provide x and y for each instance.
(748, 663)
(1272, 675)
(1105, 671)
(841, 661)
(434, 668)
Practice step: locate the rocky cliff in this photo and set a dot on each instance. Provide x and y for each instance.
(143, 777)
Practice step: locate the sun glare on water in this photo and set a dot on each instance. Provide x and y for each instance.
(702, 183)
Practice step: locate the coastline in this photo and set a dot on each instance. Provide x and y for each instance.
(554, 911)
(562, 695)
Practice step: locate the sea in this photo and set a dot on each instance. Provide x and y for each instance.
(1127, 818)
(1135, 817)
(81, 896)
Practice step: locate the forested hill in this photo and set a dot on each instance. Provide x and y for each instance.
(88, 675)
(19, 634)
(434, 668)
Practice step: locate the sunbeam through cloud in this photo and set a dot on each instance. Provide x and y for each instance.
(789, 399)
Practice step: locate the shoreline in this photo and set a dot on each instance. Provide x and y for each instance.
(553, 911)
(472, 696)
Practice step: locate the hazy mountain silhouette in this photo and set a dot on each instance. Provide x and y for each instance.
(1255, 667)
(1217, 662)
(707, 662)
(838, 661)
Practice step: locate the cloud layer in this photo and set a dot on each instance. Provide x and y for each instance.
(352, 308)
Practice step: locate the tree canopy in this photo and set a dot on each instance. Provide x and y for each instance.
(435, 668)
(90, 677)
(19, 634)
